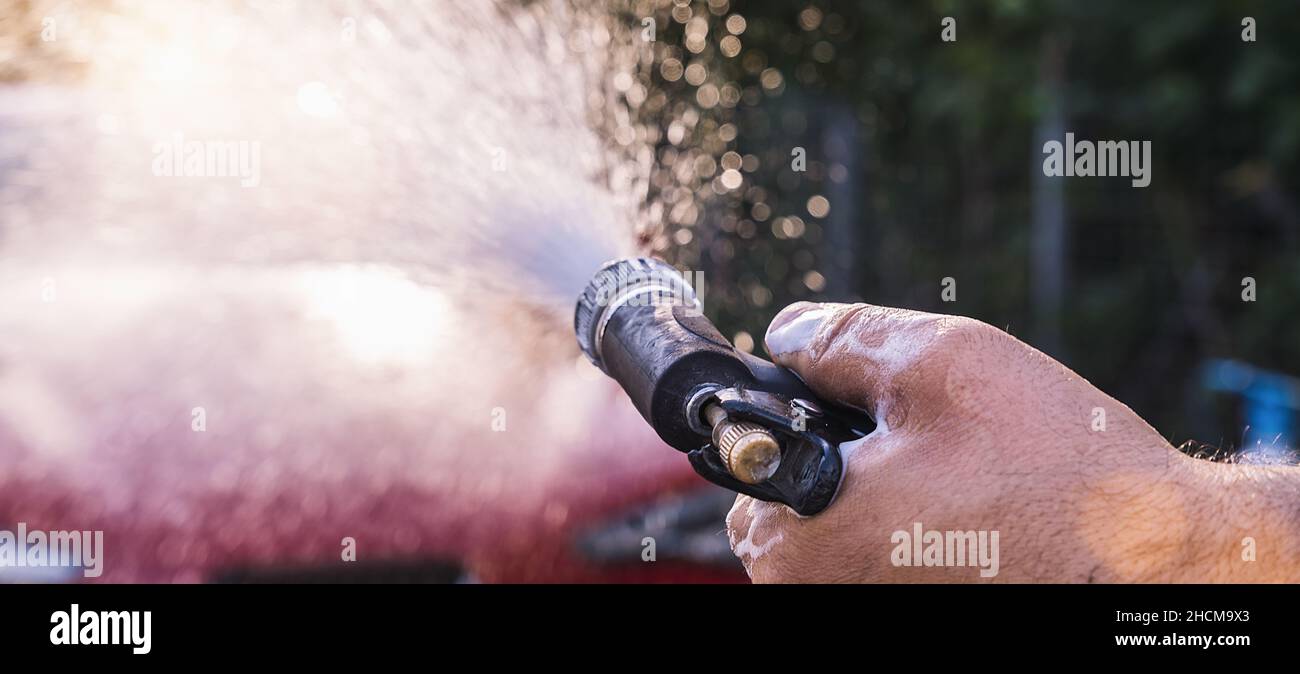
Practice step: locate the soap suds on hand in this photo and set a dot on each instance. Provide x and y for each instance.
(746, 549)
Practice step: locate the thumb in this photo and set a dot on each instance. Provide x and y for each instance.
(858, 355)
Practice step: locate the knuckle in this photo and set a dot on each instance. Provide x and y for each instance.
(829, 333)
(956, 336)
(965, 330)
(850, 325)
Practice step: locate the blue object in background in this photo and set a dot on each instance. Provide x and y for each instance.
(1270, 401)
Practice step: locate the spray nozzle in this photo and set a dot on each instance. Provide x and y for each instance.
(745, 423)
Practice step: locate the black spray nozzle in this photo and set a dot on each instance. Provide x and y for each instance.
(747, 424)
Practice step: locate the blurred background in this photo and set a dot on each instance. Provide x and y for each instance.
(923, 162)
(374, 342)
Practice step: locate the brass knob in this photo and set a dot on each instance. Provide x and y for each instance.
(750, 452)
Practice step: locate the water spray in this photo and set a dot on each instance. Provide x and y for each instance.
(744, 423)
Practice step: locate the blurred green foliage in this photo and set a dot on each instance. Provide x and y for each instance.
(929, 153)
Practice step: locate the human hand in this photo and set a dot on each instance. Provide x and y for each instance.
(979, 432)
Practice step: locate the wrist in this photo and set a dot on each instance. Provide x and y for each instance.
(1159, 516)
(1247, 522)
